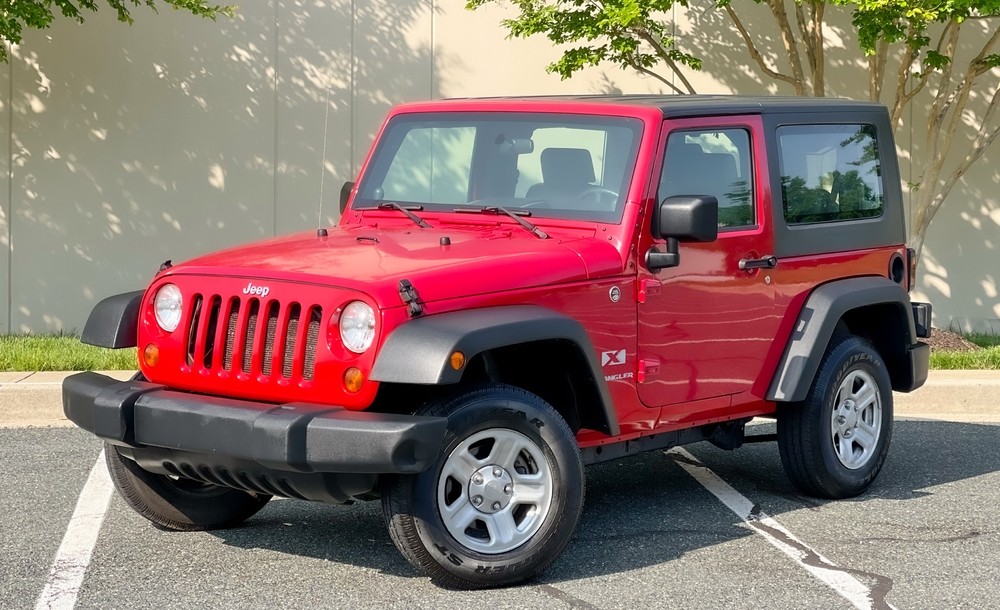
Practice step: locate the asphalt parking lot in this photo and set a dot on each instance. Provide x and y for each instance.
(659, 531)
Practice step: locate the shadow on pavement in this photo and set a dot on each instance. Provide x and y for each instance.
(644, 510)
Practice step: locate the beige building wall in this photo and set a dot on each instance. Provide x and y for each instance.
(126, 146)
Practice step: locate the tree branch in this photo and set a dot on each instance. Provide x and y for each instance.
(635, 66)
(979, 61)
(665, 58)
(876, 69)
(945, 94)
(984, 139)
(757, 57)
(819, 72)
(807, 38)
(789, 42)
(902, 76)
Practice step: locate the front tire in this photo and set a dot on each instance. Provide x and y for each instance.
(501, 501)
(833, 443)
(179, 504)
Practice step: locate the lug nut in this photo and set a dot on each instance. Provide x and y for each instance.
(477, 501)
(496, 506)
(497, 471)
(841, 420)
(508, 489)
(477, 479)
(847, 434)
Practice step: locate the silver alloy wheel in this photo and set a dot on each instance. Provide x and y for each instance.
(856, 421)
(494, 491)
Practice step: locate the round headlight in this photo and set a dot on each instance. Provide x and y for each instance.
(167, 306)
(357, 326)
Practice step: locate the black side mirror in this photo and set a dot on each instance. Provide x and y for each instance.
(682, 218)
(345, 195)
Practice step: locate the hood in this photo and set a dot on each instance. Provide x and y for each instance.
(442, 263)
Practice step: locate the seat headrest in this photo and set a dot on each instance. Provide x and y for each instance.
(567, 166)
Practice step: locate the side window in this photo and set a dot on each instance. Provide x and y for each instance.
(712, 162)
(829, 173)
(432, 164)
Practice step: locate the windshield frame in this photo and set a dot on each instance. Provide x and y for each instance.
(399, 125)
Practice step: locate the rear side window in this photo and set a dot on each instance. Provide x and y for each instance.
(712, 162)
(829, 173)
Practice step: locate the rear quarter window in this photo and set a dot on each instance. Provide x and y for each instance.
(829, 173)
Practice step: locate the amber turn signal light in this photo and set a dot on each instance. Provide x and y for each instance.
(151, 355)
(353, 378)
(457, 360)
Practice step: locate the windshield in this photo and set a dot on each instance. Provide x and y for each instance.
(557, 166)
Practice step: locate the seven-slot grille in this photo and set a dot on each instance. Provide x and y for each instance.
(253, 337)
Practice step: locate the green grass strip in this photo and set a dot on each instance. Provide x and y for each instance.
(988, 358)
(982, 339)
(61, 353)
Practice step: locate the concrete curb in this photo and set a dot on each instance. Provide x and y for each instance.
(34, 399)
(52, 377)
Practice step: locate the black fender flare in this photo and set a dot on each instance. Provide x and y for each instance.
(815, 325)
(419, 351)
(114, 322)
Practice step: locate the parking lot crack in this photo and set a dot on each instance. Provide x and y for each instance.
(566, 598)
(877, 592)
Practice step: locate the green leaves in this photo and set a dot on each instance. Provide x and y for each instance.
(39, 14)
(632, 34)
(892, 20)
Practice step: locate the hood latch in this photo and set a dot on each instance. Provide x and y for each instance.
(408, 294)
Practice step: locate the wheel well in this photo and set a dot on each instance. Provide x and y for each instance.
(555, 370)
(884, 326)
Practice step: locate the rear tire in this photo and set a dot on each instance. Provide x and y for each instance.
(502, 499)
(833, 443)
(179, 504)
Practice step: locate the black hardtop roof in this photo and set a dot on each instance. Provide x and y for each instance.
(689, 105)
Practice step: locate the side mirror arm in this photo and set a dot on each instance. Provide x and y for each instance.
(656, 260)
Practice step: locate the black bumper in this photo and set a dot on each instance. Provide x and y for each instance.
(302, 438)
(911, 373)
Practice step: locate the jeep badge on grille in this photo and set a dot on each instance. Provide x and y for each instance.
(258, 290)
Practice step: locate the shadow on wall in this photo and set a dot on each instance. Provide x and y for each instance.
(959, 267)
(177, 136)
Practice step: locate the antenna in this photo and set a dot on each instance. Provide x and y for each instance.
(322, 164)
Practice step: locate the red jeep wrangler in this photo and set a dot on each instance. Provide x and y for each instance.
(516, 288)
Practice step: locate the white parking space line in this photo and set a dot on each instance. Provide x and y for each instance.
(73, 556)
(841, 580)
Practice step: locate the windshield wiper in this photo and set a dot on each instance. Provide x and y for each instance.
(516, 215)
(392, 205)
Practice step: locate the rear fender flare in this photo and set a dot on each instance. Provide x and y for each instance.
(815, 326)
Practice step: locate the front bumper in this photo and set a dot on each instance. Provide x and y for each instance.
(289, 438)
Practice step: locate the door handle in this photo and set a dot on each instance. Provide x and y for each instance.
(766, 262)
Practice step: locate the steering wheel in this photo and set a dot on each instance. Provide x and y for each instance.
(599, 197)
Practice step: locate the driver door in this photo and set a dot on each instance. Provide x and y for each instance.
(706, 325)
